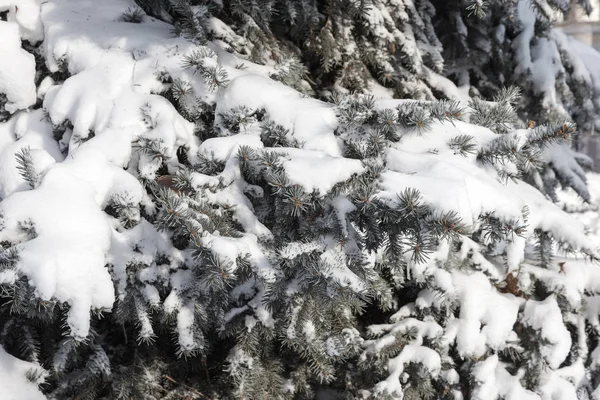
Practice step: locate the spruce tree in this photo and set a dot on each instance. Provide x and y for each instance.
(182, 218)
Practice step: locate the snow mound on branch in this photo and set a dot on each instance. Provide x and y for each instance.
(427, 163)
(94, 30)
(316, 170)
(546, 317)
(109, 101)
(589, 57)
(17, 69)
(493, 381)
(65, 258)
(221, 148)
(26, 130)
(26, 13)
(486, 317)
(13, 379)
(468, 188)
(148, 241)
(310, 121)
(413, 352)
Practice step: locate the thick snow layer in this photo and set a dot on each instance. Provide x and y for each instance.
(306, 168)
(109, 101)
(411, 353)
(13, 380)
(494, 381)
(309, 121)
(545, 317)
(17, 69)
(541, 58)
(26, 13)
(26, 130)
(589, 56)
(222, 148)
(469, 190)
(67, 256)
(486, 317)
(77, 250)
(426, 162)
(66, 259)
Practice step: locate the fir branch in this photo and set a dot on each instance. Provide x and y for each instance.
(26, 167)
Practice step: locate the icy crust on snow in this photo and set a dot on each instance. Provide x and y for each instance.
(17, 69)
(13, 378)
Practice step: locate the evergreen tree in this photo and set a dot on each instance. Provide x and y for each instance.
(409, 47)
(180, 218)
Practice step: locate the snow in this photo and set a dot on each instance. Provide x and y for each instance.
(81, 186)
(493, 381)
(540, 57)
(78, 253)
(222, 148)
(336, 268)
(310, 121)
(309, 331)
(411, 353)
(589, 57)
(546, 67)
(233, 197)
(185, 328)
(557, 388)
(25, 13)
(26, 130)
(13, 380)
(427, 164)
(306, 168)
(66, 259)
(523, 40)
(545, 316)
(148, 242)
(17, 69)
(469, 192)
(101, 97)
(486, 317)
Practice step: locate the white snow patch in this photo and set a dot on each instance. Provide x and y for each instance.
(17, 69)
(13, 379)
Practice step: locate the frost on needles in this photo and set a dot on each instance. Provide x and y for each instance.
(181, 216)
